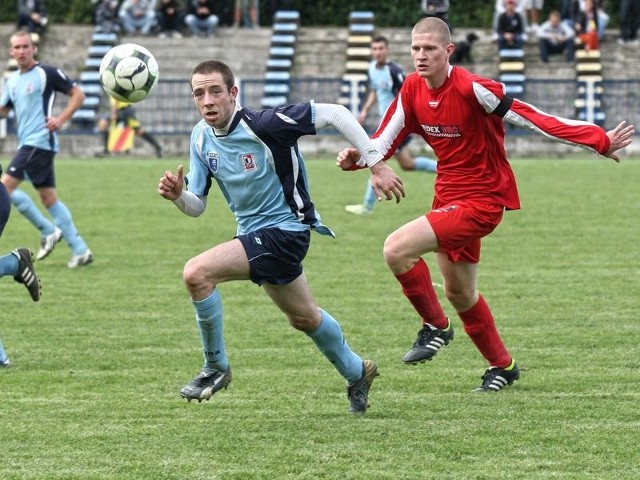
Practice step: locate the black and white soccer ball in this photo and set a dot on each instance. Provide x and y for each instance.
(129, 72)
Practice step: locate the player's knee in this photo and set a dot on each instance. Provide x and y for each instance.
(392, 252)
(462, 299)
(195, 276)
(306, 320)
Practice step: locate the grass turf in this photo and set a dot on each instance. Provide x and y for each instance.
(97, 364)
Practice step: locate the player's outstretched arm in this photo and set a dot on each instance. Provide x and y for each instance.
(171, 185)
(620, 137)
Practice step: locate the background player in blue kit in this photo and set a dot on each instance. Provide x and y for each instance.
(254, 158)
(31, 92)
(385, 79)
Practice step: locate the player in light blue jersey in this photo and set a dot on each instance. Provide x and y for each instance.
(254, 158)
(31, 92)
(385, 79)
(18, 264)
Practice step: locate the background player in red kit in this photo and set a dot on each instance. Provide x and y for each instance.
(460, 115)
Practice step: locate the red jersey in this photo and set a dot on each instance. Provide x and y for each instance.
(459, 121)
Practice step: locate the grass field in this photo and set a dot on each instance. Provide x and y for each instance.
(97, 364)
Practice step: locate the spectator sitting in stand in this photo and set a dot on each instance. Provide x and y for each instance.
(500, 8)
(555, 37)
(137, 15)
(585, 25)
(510, 29)
(201, 20)
(105, 16)
(170, 17)
(32, 16)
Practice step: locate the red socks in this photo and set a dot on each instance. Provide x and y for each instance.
(480, 326)
(417, 287)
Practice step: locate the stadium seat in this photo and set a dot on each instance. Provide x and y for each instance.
(277, 76)
(358, 40)
(98, 51)
(271, 102)
(283, 40)
(280, 62)
(587, 55)
(92, 63)
(359, 53)
(276, 89)
(92, 89)
(584, 103)
(353, 87)
(588, 68)
(281, 52)
(85, 118)
(103, 38)
(90, 77)
(289, 16)
(361, 28)
(357, 66)
(91, 102)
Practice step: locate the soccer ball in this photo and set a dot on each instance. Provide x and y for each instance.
(129, 72)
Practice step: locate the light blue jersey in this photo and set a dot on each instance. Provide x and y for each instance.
(386, 82)
(258, 167)
(31, 95)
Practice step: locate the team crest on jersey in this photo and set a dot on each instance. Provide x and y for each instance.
(248, 162)
(213, 161)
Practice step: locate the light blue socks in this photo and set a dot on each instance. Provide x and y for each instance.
(26, 207)
(209, 319)
(426, 164)
(63, 220)
(8, 265)
(330, 341)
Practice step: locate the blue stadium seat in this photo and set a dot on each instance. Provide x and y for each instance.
(277, 77)
(99, 50)
(290, 16)
(279, 64)
(91, 102)
(103, 38)
(283, 40)
(361, 16)
(280, 28)
(92, 63)
(85, 118)
(361, 28)
(90, 77)
(281, 52)
(271, 89)
(92, 89)
(270, 102)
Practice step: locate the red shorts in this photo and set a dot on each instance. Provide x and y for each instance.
(459, 226)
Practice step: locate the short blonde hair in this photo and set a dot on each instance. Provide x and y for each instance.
(433, 25)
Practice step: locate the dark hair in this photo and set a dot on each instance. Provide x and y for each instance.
(211, 66)
(380, 38)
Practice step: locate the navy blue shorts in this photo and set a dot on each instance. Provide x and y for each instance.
(5, 207)
(34, 164)
(275, 256)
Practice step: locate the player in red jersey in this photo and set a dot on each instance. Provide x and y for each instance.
(460, 115)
